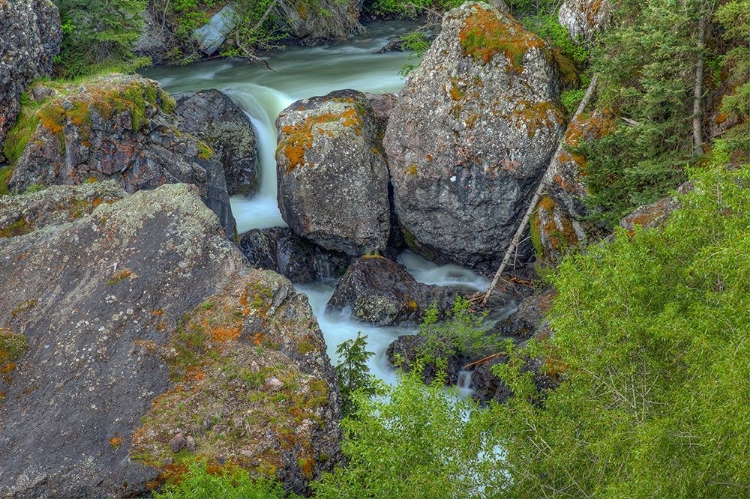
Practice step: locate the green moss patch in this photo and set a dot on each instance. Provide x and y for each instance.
(487, 32)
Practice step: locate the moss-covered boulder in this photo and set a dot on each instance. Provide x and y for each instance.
(331, 173)
(473, 130)
(113, 127)
(31, 38)
(561, 221)
(134, 339)
(584, 18)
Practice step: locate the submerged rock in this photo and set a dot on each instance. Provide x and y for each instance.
(113, 127)
(213, 117)
(332, 176)
(141, 322)
(381, 292)
(31, 37)
(473, 130)
(294, 257)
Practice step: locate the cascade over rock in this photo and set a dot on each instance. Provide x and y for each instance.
(472, 132)
(281, 250)
(381, 292)
(133, 333)
(31, 37)
(213, 117)
(114, 127)
(332, 176)
(584, 18)
(560, 221)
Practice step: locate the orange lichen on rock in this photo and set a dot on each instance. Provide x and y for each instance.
(298, 138)
(537, 115)
(488, 32)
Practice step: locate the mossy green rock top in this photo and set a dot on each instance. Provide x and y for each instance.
(141, 328)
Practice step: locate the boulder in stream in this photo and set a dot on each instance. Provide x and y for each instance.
(212, 116)
(472, 132)
(381, 292)
(31, 37)
(113, 127)
(331, 173)
(296, 258)
(134, 339)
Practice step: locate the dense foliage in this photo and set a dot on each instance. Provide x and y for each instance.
(99, 36)
(653, 331)
(202, 481)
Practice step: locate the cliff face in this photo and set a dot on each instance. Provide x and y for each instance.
(134, 339)
(31, 37)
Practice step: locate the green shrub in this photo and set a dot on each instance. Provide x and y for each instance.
(226, 482)
(352, 372)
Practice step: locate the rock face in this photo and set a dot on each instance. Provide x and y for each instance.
(559, 223)
(114, 127)
(296, 258)
(332, 177)
(139, 323)
(584, 18)
(210, 36)
(213, 117)
(313, 22)
(383, 293)
(473, 130)
(31, 39)
(656, 214)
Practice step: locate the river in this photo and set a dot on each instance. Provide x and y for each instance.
(299, 73)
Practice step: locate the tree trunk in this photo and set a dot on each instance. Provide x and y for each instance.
(537, 195)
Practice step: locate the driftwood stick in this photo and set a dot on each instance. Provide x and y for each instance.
(537, 195)
(483, 360)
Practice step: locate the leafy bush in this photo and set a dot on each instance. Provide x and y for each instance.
(226, 482)
(651, 341)
(417, 442)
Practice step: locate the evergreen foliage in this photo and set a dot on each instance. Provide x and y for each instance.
(352, 372)
(98, 36)
(651, 331)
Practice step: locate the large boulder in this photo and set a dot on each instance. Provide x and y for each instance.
(213, 117)
(31, 38)
(281, 250)
(473, 130)
(561, 222)
(584, 18)
(135, 339)
(381, 292)
(313, 22)
(113, 127)
(331, 173)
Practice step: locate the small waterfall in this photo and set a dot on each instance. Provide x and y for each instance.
(463, 384)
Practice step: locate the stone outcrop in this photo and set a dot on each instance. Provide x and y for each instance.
(31, 37)
(404, 352)
(381, 292)
(584, 18)
(214, 118)
(331, 173)
(313, 22)
(210, 36)
(473, 130)
(281, 250)
(560, 222)
(656, 214)
(114, 127)
(156, 41)
(138, 331)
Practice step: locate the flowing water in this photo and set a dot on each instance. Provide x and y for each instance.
(299, 73)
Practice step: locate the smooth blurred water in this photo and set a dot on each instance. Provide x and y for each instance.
(299, 73)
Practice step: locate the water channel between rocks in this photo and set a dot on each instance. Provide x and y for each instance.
(299, 73)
